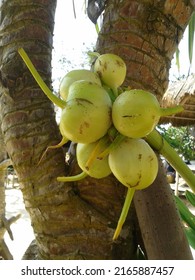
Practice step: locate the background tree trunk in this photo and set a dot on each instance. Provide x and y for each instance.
(145, 34)
(70, 221)
(3, 157)
(4, 251)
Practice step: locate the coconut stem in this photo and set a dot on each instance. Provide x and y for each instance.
(157, 142)
(93, 54)
(62, 142)
(59, 102)
(115, 91)
(96, 151)
(171, 110)
(119, 138)
(78, 177)
(125, 210)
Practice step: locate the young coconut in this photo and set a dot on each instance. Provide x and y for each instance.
(135, 165)
(111, 69)
(87, 158)
(98, 168)
(87, 114)
(76, 75)
(91, 107)
(135, 113)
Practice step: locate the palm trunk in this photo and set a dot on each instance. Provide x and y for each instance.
(146, 34)
(65, 226)
(70, 221)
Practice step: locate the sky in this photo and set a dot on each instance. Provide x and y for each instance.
(72, 37)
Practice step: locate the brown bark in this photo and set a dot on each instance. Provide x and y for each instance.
(65, 226)
(161, 227)
(70, 221)
(145, 34)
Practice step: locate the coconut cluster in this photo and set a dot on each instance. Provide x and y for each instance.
(109, 127)
(108, 124)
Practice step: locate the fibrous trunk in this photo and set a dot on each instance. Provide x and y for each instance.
(145, 34)
(65, 226)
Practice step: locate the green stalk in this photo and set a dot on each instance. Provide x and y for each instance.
(59, 102)
(119, 138)
(157, 142)
(93, 54)
(115, 91)
(191, 31)
(96, 151)
(125, 210)
(78, 177)
(59, 145)
(97, 28)
(112, 133)
(171, 110)
(110, 93)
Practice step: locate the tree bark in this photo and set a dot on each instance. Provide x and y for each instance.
(65, 226)
(70, 221)
(145, 34)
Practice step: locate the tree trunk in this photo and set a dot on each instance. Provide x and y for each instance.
(65, 226)
(145, 34)
(70, 221)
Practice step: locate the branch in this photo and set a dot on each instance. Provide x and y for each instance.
(5, 225)
(4, 251)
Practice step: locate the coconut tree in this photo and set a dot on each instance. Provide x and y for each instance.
(146, 45)
(77, 220)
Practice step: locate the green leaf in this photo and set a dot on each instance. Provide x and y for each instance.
(177, 59)
(97, 28)
(185, 213)
(190, 197)
(191, 31)
(190, 234)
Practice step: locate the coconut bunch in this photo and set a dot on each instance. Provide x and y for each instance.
(108, 124)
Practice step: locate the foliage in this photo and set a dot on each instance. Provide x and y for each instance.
(187, 216)
(181, 139)
(191, 31)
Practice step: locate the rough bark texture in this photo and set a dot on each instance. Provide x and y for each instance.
(161, 227)
(65, 226)
(146, 34)
(70, 221)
